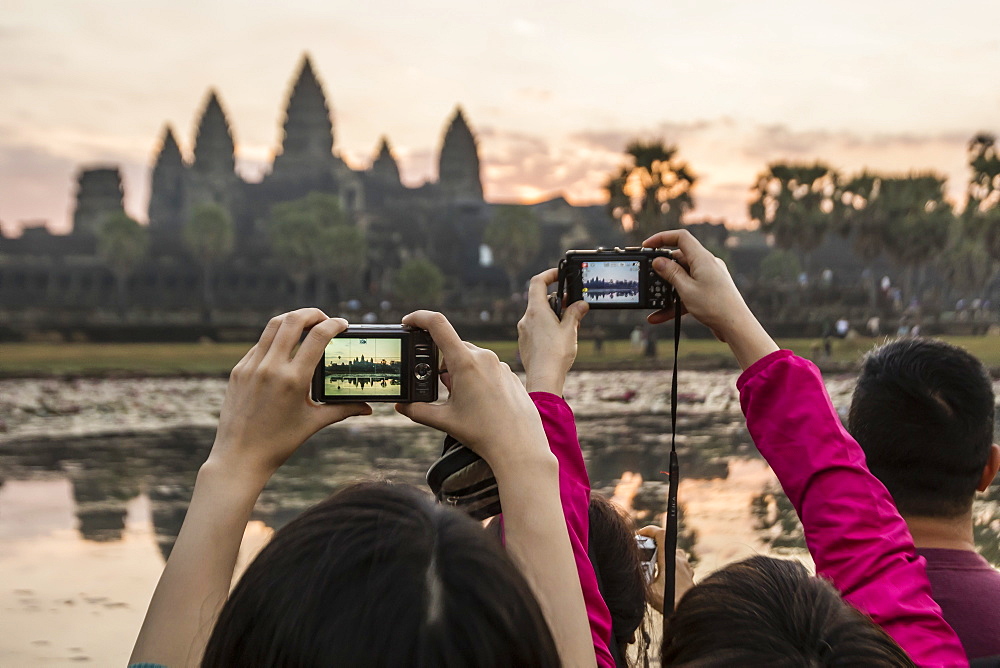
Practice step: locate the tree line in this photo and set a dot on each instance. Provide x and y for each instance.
(905, 217)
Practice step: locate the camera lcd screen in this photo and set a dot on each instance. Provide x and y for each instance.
(366, 367)
(610, 282)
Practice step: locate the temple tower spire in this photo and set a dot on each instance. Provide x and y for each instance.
(168, 195)
(214, 149)
(212, 176)
(307, 135)
(384, 167)
(99, 194)
(458, 167)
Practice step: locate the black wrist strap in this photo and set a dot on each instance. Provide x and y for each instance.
(671, 522)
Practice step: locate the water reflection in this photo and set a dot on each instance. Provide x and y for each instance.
(106, 472)
(775, 518)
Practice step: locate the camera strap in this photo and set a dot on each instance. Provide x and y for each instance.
(556, 300)
(671, 522)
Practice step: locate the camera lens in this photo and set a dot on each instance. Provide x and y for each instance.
(422, 371)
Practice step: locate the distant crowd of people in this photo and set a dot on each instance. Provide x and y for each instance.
(380, 574)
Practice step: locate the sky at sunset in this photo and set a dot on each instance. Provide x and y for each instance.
(553, 90)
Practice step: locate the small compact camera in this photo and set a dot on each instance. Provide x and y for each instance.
(647, 556)
(608, 278)
(395, 363)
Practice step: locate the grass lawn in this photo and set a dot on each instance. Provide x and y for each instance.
(165, 359)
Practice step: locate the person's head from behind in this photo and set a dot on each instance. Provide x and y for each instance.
(772, 612)
(923, 413)
(615, 557)
(381, 575)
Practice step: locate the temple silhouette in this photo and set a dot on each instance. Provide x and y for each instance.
(67, 285)
(62, 279)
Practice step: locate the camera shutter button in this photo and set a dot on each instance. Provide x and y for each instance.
(422, 371)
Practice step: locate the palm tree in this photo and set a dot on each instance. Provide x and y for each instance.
(209, 236)
(652, 192)
(982, 210)
(860, 217)
(513, 235)
(965, 261)
(984, 184)
(795, 203)
(919, 221)
(122, 243)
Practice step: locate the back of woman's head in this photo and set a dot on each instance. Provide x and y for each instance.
(380, 575)
(771, 612)
(615, 557)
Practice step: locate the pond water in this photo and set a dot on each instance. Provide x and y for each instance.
(96, 476)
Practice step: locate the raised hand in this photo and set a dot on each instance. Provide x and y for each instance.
(683, 573)
(488, 409)
(490, 412)
(547, 344)
(708, 293)
(267, 413)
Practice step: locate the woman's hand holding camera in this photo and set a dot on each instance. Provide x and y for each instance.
(488, 409)
(490, 412)
(547, 344)
(265, 416)
(708, 293)
(683, 573)
(267, 413)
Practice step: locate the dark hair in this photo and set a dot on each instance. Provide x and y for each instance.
(380, 575)
(771, 612)
(923, 413)
(615, 557)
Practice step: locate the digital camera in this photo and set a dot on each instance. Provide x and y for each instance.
(647, 556)
(616, 278)
(395, 363)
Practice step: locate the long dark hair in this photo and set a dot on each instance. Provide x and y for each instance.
(380, 575)
(772, 612)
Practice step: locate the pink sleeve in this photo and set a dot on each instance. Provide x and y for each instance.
(853, 530)
(574, 489)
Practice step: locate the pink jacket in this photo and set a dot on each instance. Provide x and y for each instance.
(855, 534)
(574, 489)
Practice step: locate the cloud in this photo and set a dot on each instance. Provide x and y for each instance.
(669, 132)
(534, 94)
(523, 166)
(725, 155)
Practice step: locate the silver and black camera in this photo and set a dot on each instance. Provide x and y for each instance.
(614, 278)
(647, 556)
(396, 363)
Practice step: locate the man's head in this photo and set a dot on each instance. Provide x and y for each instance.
(923, 413)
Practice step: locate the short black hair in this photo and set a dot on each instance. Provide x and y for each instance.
(923, 413)
(381, 575)
(772, 612)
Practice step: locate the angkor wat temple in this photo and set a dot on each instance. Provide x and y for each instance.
(61, 280)
(62, 283)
